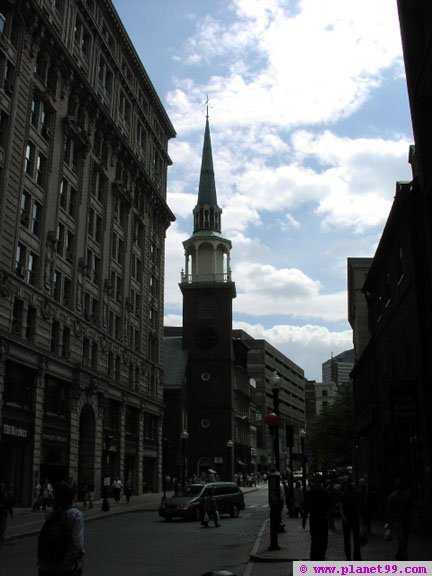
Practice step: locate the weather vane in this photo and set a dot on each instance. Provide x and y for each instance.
(207, 106)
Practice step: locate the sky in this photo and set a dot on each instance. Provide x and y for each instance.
(310, 130)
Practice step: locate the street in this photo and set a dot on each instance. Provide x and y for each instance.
(142, 543)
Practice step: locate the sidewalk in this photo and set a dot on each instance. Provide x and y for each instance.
(295, 545)
(26, 522)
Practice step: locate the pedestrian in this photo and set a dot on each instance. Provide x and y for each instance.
(91, 494)
(84, 493)
(398, 511)
(350, 514)
(297, 503)
(176, 486)
(74, 487)
(47, 494)
(333, 489)
(365, 508)
(6, 507)
(317, 507)
(36, 496)
(66, 557)
(281, 525)
(210, 507)
(128, 490)
(117, 486)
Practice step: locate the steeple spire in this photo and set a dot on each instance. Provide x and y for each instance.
(207, 214)
(207, 185)
(207, 252)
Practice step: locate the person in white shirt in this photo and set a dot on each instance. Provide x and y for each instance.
(71, 564)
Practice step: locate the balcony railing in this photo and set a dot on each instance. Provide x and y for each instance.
(223, 277)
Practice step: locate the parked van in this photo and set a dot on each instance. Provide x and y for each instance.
(229, 499)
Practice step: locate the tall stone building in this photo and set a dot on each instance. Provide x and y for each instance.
(83, 215)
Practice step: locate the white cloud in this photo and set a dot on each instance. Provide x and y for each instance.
(308, 346)
(317, 65)
(263, 290)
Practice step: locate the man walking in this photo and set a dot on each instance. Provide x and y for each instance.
(317, 506)
(398, 512)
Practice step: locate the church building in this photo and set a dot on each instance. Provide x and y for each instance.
(207, 389)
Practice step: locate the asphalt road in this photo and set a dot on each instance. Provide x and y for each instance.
(142, 544)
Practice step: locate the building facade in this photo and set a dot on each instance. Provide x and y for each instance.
(264, 362)
(337, 369)
(83, 215)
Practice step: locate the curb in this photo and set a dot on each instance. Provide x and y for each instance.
(256, 556)
(99, 516)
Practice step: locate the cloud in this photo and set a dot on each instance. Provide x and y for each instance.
(308, 346)
(317, 64)
(263, 290)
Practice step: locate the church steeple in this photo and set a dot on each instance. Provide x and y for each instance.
(207, 214)
(207, 252)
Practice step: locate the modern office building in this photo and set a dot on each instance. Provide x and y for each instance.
(337, 369)
(83, 215)
(273, 372)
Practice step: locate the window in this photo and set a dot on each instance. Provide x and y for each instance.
(94, 356)
(71, 157)
(104, 76)
(141, 138)
(36, 219)
(4, 121)
(95, 226)
(67, 292)
(4, 13)
(93, 266)
(8, 78)
(26, 202)
(86, 352)
(30, 154)
(55, 336)
(20, 260)
(110, 364)
(57, 281)
(117, 286)
(26, 264)
(17, 316)
(107, 35)
(138, 232)
(154, 254)
(154, 287)
(33, 261)
(151, 424)
(40, 117)
(68, 197)
(41, 169)
(56, 395)
(117, 249)
(135, 266)
(124, 108)
(99, 186)
(82, 37)
(66, 342)
(31, 323)
(91, 308)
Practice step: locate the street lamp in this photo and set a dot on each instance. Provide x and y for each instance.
(276, 381)
(229, 474)
(184, 436)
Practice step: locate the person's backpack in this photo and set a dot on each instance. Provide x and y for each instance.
(54, 537)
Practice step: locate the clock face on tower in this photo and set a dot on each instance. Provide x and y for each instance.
(206, 338)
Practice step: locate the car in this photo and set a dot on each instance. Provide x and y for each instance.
(229, 499)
